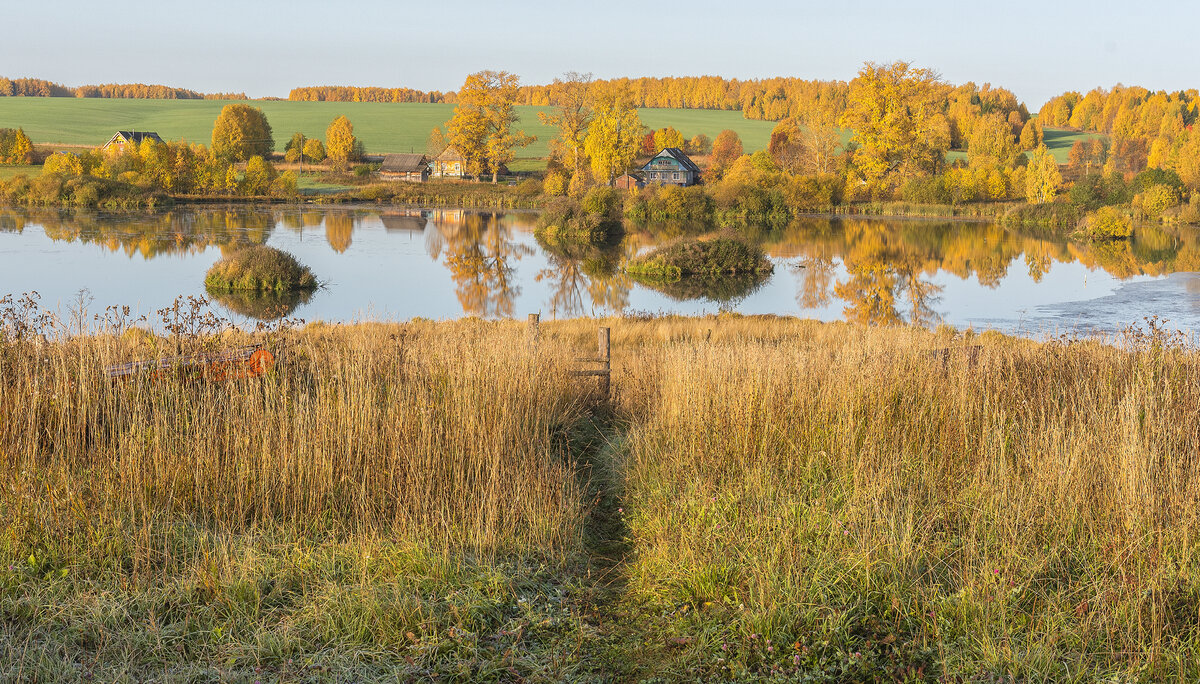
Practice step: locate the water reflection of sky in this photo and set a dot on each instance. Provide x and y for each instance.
(399, 264)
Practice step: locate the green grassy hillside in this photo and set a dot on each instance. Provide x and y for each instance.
(382, 127)
(1060, 140)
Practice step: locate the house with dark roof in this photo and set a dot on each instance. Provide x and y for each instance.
(122, 138)
(671, 167)
(413, 168)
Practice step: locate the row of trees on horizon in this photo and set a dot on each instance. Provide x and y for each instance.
(37, 87)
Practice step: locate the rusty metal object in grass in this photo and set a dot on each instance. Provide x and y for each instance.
(242, 362)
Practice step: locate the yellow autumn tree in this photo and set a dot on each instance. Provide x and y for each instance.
(1031, 135)
(1042, 177)
(314, 150)
(896, 113)
(483, 126)
(340, 144)
(572, 101)
(615, 134)
(992, 144)
(668, 137)
(241, 132)
(62, 164)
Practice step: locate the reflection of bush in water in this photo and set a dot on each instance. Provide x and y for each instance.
(263, 306)
(599, 256)
(601, 264)
(718, 288)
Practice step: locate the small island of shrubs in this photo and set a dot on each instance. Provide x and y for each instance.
(596, 217)
(259, 268)
(691, 256)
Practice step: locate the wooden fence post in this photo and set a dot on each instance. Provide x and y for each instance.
(532, 331)
(605, 361)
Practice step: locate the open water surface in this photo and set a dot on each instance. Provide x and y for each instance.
(399, 263)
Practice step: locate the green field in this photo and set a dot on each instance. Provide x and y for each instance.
(1060, 140)
(381, 127)
(10, 171)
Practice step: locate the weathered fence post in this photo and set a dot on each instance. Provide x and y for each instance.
(605, 358)
(532, 332)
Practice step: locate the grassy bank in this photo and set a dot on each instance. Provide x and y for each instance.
(761, 497)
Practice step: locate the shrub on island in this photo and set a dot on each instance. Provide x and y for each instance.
(596, 217)
(259, 268)
(691, 256)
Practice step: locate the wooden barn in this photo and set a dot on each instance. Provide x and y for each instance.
(450, 164)
(413, 168)
(629, 181)
(671, 167)
(119, 140)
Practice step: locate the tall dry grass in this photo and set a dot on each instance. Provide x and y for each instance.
(834, 502)
(388, 498)
(882, 512)
(444, 434)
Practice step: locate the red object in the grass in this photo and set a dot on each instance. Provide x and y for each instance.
(242, 362)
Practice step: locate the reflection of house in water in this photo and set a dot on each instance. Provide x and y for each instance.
(450, 215)
(411, 221)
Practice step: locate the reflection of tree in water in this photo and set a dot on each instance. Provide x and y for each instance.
(339, 230)
(816, 276)
(263, 306)
(579, 267)
(11, 222)
(156, 234)
(889, 265)
(480, 254)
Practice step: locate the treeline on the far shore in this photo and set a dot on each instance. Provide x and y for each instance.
(768, 99)
(37, 87)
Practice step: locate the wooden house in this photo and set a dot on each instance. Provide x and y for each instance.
(121, 139)
(413, 168)
(671, 167)
(450, 164)
(629, 181)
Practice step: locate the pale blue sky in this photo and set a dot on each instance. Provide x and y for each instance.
(266, 47)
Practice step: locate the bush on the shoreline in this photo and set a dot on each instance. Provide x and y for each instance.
(596, 217)
(1106, 223)
(1057, 215)
(259, 268)
(691, 256)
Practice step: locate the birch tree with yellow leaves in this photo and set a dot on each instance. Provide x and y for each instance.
(483, 127)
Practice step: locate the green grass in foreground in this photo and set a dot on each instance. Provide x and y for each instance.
(382, 127)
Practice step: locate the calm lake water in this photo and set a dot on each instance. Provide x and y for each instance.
(402, 263)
